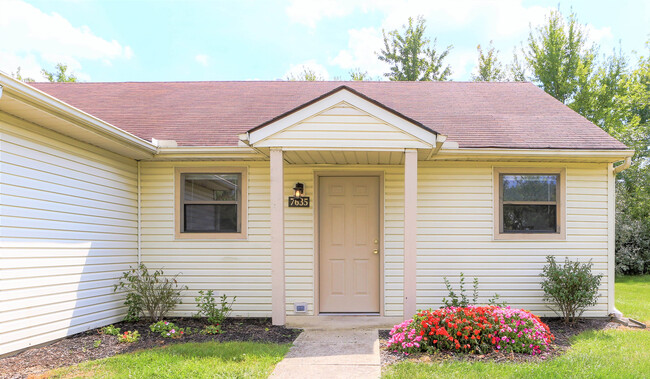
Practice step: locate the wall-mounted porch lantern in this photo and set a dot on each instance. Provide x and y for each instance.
(299, 190)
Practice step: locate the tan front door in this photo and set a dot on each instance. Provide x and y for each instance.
(349, 244)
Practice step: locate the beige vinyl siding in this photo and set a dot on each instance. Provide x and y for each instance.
(455, 234)
(236, 267)
(343, 125)
(68, 229)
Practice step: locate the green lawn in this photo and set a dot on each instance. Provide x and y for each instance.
(191, 360)
(633, 297)
(601, 354)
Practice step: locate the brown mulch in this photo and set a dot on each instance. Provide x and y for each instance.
(81, 347)
(562, 332)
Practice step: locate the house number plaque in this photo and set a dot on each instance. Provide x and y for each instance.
(299, 202)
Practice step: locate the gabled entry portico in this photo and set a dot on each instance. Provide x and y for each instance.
(344, 130)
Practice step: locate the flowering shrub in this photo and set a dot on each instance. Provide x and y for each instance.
(129, 337)
(167, 329)
(522, 332)
(471, 329)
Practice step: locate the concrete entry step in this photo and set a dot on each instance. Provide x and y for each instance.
(335, 322)
(343, 353)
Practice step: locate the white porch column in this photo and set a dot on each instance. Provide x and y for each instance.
(277, 237)
(410, 230)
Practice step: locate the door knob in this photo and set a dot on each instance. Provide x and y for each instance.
(376, 251)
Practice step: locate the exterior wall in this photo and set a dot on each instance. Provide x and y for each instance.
(239, 268)
(455, 234)
(455, 203)
(68, 229)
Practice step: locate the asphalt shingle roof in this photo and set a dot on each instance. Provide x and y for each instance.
(476, 115)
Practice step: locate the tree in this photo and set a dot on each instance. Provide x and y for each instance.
(60, 74)
(489, 68)
(410, 57)
(306, 75)
(18, 76)
(558, 56)
(517, 69)
(358, 76)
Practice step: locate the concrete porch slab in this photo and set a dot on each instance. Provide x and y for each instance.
(338, 322)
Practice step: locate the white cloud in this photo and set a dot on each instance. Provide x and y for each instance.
(33, 39)
(363, 46)
(308, 12)
(202, 59)
(297, 69)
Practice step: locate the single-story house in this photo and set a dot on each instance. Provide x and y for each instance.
(303, 199)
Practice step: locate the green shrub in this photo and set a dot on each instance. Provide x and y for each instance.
(463, 300)
(150, 294)
(110, 330)
(129, 337)
(214, 313)
(212, 329)
(571, 288)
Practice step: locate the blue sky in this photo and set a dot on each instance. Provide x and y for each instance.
(267, 40)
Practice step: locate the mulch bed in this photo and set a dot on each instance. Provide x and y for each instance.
(560, 330)
(81, 347)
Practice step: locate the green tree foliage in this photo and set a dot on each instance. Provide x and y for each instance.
(18, 76)
(306, 75)
(559, 59)
(359, 75)
(629, 120)
(60, 74)
(489, 68)
(411, 55)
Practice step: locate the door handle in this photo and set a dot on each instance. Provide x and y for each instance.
(376, 251)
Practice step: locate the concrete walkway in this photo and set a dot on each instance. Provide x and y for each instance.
(345, 353)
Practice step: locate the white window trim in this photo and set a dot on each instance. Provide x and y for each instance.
(560, 235)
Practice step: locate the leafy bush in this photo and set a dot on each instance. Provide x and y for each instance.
(570, 288)
(110, 330)
(471, 329)
(632, 245)
(213, 312)
(129, 337)
(463, 301)
(150, 294)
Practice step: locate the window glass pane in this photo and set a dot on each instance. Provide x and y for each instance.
(529, 218)
(211, 218)
(529, 187)
(211, 187)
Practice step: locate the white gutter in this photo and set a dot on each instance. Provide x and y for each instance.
(208, 152)
(31, 96)
(612, 155)
(624, 166)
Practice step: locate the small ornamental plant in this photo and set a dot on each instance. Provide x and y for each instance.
(212, 329)
(129, 337)
(168, 329)
(110, 330)
(471, 329)
(215, 310)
